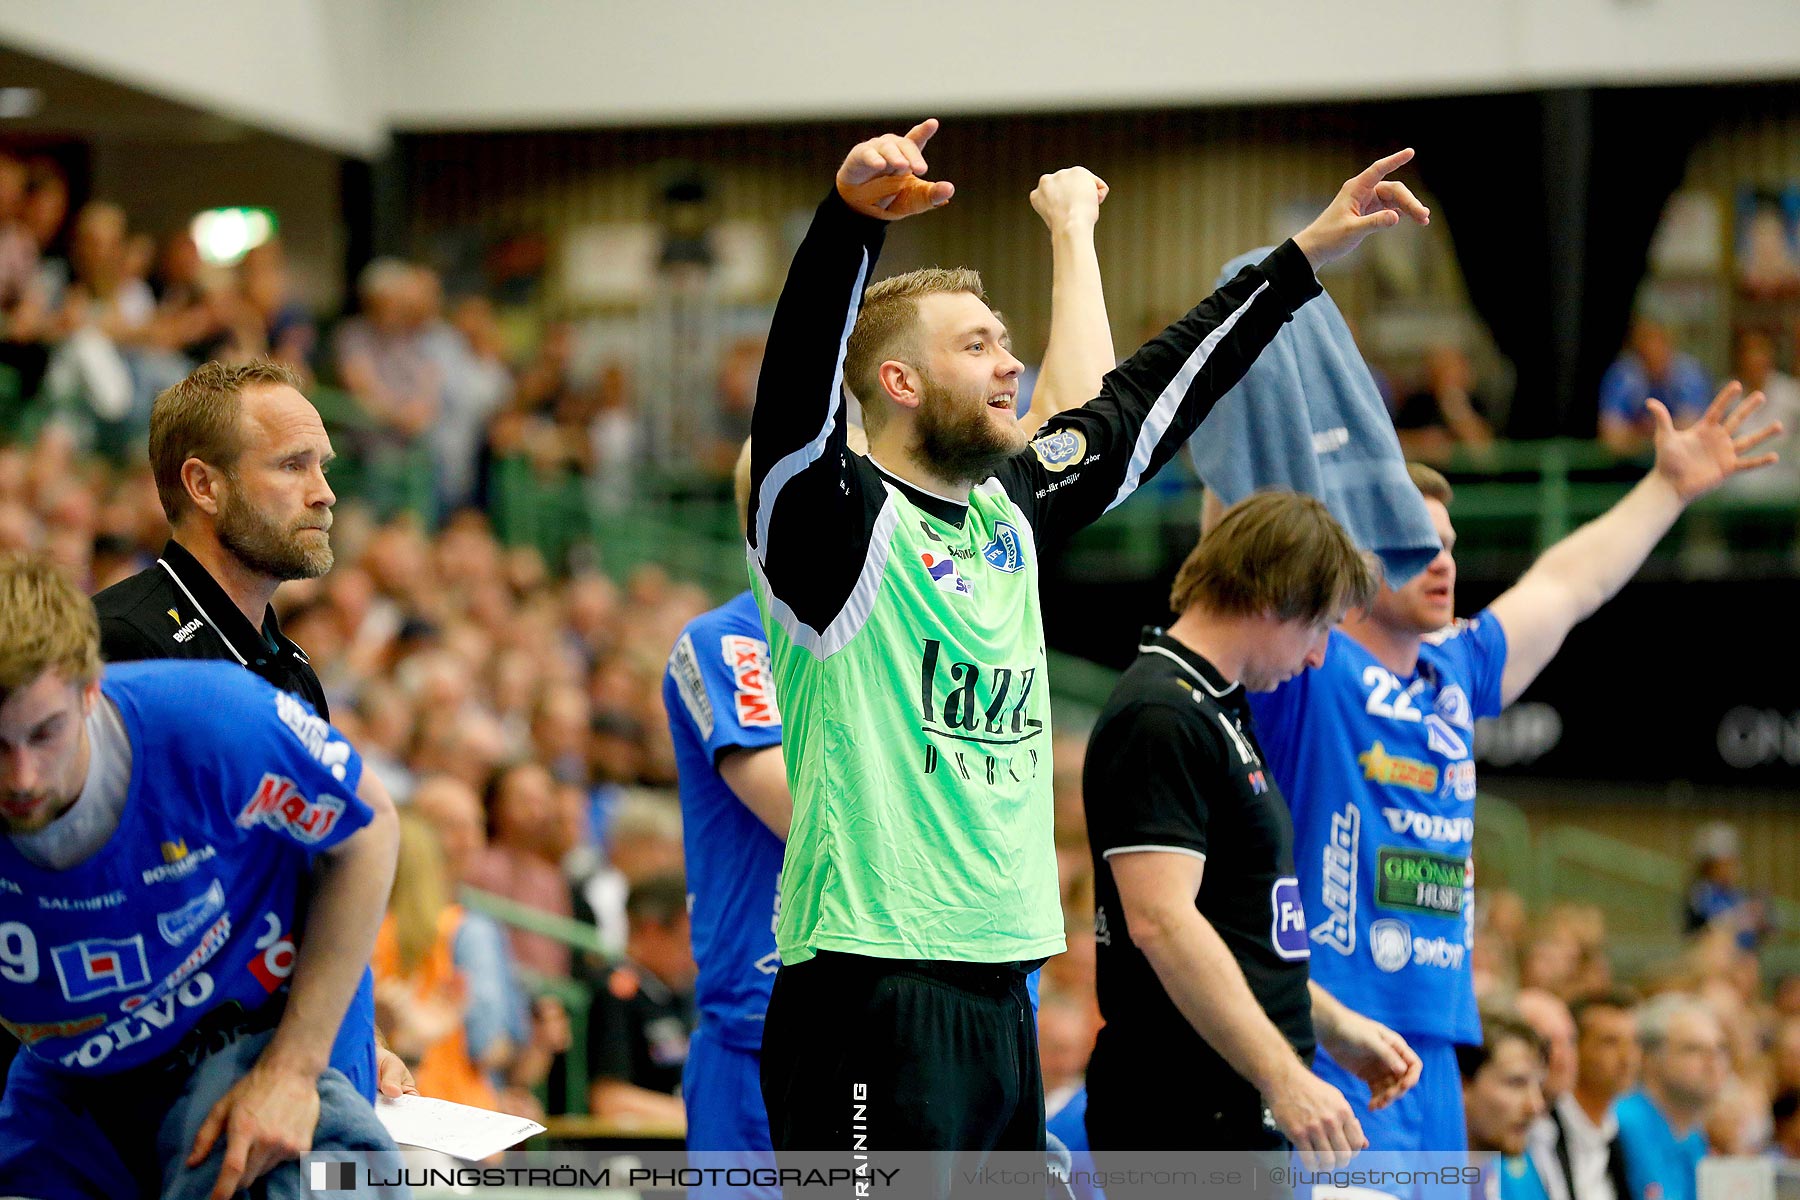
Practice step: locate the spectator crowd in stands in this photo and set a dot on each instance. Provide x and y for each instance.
(1634, 1081)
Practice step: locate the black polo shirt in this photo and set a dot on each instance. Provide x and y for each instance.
(1173, 765)
(175, 609)
(638, 1029)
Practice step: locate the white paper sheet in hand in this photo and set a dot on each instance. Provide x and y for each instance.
(458, 1129)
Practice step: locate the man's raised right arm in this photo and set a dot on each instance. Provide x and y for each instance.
(798, 424)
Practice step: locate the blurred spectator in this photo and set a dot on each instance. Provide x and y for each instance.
(385, 720)
(643, 841)
(1549, 961)
(559, 732)
(1590, 1158)
(1786, 1000)
(1566, 953)
(514, 1042)
(282, 327)
(102, 310)
(1766, 263)
(1716, 898)
(469, 392)
(1502, 1086)
(23, 312)
(1784, 1055)
(1546, 1013)
(421, 992)
(383, 363)
(1443, 413)
(1066, 1030)
(1753, 365)
(643, 1013)
(1651, 366)
(615, 436)
(739, 367)
(1684, 1070)
(194, 312)
(1738, 1123)
(548, 417)
(521, 820)
(1500, 926)
(46, 211)
(483, 387)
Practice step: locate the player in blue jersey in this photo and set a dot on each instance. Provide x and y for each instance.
(168, 830)
(1374, 751)
(735, 810)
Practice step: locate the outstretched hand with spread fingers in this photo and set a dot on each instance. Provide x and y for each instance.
(884, 177)
(1364, 204)
(1699, 458)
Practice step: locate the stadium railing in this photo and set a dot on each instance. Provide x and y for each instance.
(1513, 500)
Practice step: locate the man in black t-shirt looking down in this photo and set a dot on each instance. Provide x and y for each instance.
(1202, 944)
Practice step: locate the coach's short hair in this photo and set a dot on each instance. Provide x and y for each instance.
(886, 325)
(203, 417)
(1431, 483)
(1281, 553)
(1497, 1027)
(46, 624)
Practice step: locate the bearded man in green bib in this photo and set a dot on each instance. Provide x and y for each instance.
(900, 595)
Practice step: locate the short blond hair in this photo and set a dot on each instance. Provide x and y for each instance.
(887, 323)
(1431, 483)
(202, 417)
(1280, 553)
(46, 624)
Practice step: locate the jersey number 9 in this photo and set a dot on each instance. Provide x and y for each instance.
(18, 953)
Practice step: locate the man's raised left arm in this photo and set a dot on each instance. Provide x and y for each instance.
(1587, 568)
(269, 1116)
(1080, 350)
(1089, 459)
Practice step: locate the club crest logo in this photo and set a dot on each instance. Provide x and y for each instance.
(1453, 705)
(1060, 450)
(1390, 944)
(1004, 553)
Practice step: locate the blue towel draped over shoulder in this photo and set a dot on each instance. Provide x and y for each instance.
(1307, 417)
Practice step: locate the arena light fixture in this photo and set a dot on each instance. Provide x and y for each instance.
(225, 235)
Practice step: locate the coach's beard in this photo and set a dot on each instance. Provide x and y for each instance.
(268, 548)
(958, 439)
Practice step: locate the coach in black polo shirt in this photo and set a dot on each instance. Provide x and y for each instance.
(239, 457)
(1210, 1017)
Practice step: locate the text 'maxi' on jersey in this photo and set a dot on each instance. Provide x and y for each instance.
(194, 902)
(720, 699)
(904, 627)
(1380, 774)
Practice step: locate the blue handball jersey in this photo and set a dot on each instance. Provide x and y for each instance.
(1380, 774)
(720, 697)
(191, 906)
